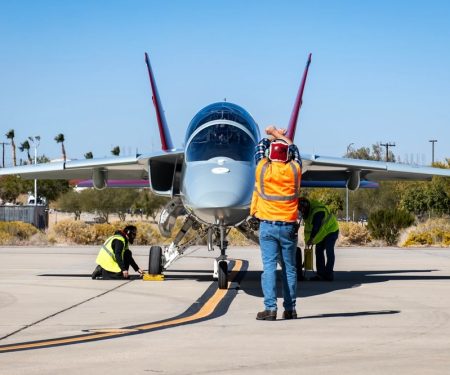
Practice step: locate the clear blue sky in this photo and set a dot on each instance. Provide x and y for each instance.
(380, 71)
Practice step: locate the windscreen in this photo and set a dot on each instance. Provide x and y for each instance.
(223, 111)
(221, 140)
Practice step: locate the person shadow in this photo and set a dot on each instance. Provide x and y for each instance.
(251, 285)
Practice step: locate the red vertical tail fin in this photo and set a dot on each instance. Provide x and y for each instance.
(298, 103)
(166, 140)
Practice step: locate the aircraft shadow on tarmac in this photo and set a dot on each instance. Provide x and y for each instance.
(198, 275)
(342, 280)
(251, 282)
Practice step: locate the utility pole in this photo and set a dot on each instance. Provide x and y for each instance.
(346, 188)
(36, 141)
(387, 145)
(433, 141)
(3, 153)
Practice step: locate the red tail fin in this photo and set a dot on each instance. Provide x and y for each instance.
(298, 103)
(166, 141)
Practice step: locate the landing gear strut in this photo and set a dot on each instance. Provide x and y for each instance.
(220, 263)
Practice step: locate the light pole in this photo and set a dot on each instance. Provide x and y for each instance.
(346, 188)
(35, 140)
(432, 149)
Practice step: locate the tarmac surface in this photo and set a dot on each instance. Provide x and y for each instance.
(387, 312)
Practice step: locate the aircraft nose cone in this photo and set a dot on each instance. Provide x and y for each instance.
(212, 190)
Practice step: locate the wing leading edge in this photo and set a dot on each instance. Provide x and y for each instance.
(355, 171)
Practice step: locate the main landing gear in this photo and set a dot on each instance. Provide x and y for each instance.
(161, 258)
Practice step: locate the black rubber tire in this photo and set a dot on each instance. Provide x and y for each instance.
(299, 264)
(223, 275)
(155, 260)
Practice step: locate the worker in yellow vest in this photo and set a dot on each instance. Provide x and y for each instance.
(115, 258)
(274, 204)
(322, 230)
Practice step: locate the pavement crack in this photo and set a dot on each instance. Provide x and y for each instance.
(63, 310)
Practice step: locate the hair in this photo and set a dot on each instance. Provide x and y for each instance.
(303, 205)
(129, 228)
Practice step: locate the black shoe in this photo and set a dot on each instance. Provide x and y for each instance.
(97, 272)
(315, 278)
(267, 315)
(290, 314)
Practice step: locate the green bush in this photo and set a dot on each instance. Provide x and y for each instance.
(386, 224)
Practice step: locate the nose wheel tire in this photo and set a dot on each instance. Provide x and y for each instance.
(155, 260)
(223, 275)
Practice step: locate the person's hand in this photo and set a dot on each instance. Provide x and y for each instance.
(125, 274)
(270, 129)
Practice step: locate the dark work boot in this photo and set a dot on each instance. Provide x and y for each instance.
(267, 315)
(290, 314)
(97, 272)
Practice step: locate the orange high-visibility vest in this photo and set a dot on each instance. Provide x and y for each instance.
(277, 187)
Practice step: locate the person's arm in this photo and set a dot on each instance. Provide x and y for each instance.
(134, 264)
(317, 223)
(294, 154)
(260, 150)
(278, 134)
(118, 247)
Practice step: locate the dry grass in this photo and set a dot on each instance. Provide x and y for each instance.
(433, 232)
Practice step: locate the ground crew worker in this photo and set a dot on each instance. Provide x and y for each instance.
(115, 258)
(322, 230)
(274, 203)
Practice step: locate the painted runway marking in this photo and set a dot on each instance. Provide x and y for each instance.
(213, 303)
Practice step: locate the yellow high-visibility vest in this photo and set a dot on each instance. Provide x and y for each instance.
(106, 257)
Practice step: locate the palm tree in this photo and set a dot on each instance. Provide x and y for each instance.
(116, 151)
(60, 139)
(26, 146)
(10, 135)
(89, 155)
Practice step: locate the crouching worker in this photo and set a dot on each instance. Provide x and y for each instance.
(322, 230)
(114, 257)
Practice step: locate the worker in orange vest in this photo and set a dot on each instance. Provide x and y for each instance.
(274, 204)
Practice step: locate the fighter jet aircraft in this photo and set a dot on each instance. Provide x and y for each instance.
(210, 181)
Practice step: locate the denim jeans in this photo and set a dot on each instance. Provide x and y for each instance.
(278, 241)
(327, 244)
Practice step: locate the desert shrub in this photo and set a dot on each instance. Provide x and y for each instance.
(353, 234)
(6, 238)
(236, 238)
(77, 232)
(15, 231)
(431, 232)
(386, 224)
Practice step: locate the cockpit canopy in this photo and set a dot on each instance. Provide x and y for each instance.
(221, 130)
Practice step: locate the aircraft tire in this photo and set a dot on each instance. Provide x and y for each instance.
(223, 275)
(155, 260)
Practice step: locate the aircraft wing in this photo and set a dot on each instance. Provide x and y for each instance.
(356, 171)
(119, 171)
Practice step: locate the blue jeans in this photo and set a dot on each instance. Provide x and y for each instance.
(278, 240)
(326, 270)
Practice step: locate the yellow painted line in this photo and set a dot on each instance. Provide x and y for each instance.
(206, 310)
